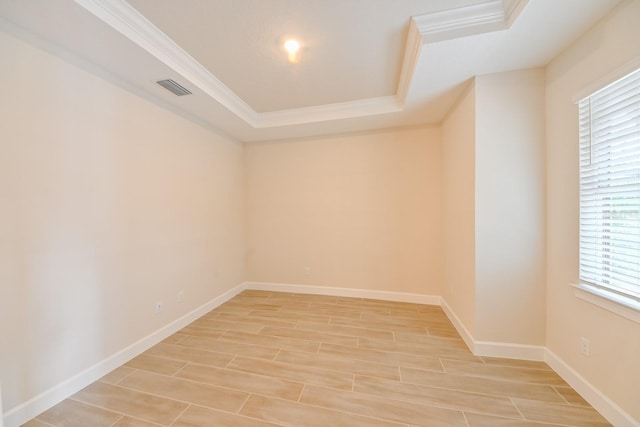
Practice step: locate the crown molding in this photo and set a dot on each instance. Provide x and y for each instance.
(122, 17)
(490, 15)
(411, 55)
(323, 113)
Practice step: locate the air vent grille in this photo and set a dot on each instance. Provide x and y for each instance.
(174, 87)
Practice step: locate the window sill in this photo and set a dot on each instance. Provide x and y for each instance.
(623, 306)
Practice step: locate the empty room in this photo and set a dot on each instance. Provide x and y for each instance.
(309, 213)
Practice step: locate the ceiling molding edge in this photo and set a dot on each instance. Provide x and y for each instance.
(327, 112)
(412, 51)
(491, 15)
(126, 20)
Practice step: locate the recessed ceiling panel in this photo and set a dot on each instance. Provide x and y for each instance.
(350, 49)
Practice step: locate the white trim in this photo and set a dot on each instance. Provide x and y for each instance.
(344, 292)
(493, 349)
(509, 350)
(457, 323)
(323, 113)
(604, 81)
(45, 400)
(491, 15)
(605, 406)
(623, 306)
(412, 51)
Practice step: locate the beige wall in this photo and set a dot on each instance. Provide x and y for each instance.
(108, 204)
(510, 207)
(458, 209)
(360, 211)
(615, 341)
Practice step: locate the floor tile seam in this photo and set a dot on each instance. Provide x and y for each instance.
(175, 359)
(400, 424)
(133, 370)
(218, 386)
(391, 401)
(433, 356)
(186, 402)
(117, 421)
(591, 408)
(524, 419)
(458, 390)
(466, 420)
(360, 359)
(223, 341)
(46, 423)
(444, 406)
(279, 346)
(503, 379)
(499, 379)
(354, 335)
(344, 370)
(579, 405)
(122, 414)
(337, 337)
(180, 415)
(309, 365)
(426, 346)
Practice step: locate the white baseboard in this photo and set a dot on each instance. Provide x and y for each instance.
(344, 292)
(457, 323)
(33, 407)
(607, 408)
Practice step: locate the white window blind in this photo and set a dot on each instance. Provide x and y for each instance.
(609, 121)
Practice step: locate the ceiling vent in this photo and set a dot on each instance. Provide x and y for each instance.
(174, 87)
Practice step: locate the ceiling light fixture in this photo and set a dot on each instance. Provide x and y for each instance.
(292, 47)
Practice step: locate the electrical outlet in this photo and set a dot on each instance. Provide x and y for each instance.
(159, 306)
(585, 346)
(180, 296)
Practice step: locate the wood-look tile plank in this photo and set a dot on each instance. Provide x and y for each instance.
(417, 349)
(214, 397)
(299, 373)
(507, 373)
(243, 381)
(309, 335)
(560, 414)
(345, 330)
(380, 325)
(291, 316)
(261, 321)
(388, 358)
(125, 401)
(196, 416)
(430, 340)
(174, 339)
(225, 325)
(116, 375)
(70, 413)
(132, 422)
(36, 423)
(517, 363)
(442, 398)
(202, 332)
(230, 347)
(191, 355)
(443, 333)
(479, 420)
(272, 341)
(159, 365)
(383, 408)
(571, 396)
(487, 386)
(352, 366)
(294, 414)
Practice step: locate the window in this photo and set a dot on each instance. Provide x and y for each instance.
(609, 122)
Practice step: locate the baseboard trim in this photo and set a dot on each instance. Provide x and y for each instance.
(607, 408)
(457, 323)
(33, 407)
(344, 292)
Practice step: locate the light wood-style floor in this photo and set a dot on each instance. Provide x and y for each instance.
(276, 359)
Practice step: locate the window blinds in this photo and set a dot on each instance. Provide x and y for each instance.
(609, 126)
